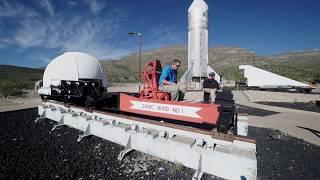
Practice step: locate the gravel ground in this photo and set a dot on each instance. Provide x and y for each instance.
(306, 106)
(29, 150)
(281, 156)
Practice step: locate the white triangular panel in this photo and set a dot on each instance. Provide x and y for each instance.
(261, 78)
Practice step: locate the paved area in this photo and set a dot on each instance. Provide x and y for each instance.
(298, 123)
(268, 96)
(301, 124)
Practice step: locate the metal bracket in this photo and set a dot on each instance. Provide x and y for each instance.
(85, 133)
(60, 123)
(42, 116)
(202, 150)
(126, 149)
(199, 172)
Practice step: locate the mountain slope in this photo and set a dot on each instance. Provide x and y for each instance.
(302, 66)
(13, 79)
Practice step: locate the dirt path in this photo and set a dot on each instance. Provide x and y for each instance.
(19, 103)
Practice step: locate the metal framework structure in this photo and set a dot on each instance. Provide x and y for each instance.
(151, 76)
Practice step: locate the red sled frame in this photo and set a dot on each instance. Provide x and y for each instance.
(153, 102)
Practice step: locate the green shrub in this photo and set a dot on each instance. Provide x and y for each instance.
(13, 87)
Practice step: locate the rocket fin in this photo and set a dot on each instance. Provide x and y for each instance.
(186, 77)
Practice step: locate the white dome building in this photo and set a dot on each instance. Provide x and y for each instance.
(71, 67)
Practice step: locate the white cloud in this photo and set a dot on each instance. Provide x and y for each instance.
(45, 58)
(31, 33)
(73, 33)
(163, 35)
(13, 9)
(47, 4)
(96, 5)
(72, 3)
(79, 32)
(4, 42)
(2, 45)
(10, 9)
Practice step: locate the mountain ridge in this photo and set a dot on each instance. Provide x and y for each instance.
(298, 65)
(225, 60)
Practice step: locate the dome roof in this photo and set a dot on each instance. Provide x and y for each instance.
(73, 66)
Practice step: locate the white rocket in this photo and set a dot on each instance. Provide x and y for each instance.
(198, 67)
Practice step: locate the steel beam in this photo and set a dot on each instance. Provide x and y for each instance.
(229, 159)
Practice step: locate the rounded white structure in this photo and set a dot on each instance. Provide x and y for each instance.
(198, 38)
(198, 67)
(73, 66)
(73, 75)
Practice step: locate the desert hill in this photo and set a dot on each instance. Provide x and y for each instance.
(303, 66)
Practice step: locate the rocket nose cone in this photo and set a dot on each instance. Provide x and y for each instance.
(198, 4)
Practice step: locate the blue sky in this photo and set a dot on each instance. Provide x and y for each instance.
(33, 32)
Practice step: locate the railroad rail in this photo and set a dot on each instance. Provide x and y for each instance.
(222, 155)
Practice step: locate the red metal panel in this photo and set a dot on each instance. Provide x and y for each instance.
(183, 111)
(151, 76)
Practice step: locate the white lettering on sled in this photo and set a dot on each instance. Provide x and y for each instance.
(178, 110)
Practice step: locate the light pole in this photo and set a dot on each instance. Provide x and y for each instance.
(139, 42)
(254, 57)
